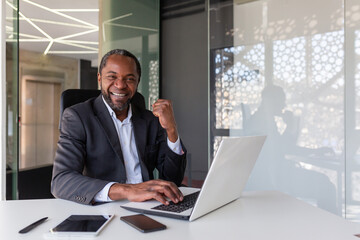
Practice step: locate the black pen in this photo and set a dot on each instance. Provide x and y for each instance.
(33, 225)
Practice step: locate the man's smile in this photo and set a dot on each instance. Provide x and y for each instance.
(118, 94)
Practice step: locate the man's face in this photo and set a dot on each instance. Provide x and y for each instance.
(118, 80)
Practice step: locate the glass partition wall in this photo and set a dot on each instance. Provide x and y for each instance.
(352, 109)
(134, 25)
(290, 70)
(38, 73)
(12, 92)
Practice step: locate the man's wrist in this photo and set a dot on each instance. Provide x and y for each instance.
(118, 191)
(172, 135)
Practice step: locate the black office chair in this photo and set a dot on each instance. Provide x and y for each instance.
(73, 96)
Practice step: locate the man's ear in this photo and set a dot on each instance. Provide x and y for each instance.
(99, 80)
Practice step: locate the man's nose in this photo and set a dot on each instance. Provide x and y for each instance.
(120, 83)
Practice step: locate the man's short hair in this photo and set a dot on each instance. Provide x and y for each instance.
(122, 52)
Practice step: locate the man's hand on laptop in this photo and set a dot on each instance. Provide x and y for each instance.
(159, 190)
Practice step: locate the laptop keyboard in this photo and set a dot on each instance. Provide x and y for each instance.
(187, 203)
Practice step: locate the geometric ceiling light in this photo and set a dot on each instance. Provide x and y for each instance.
(70, 23)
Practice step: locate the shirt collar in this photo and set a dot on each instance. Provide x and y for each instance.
(113, 115)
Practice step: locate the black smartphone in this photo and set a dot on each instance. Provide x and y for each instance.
(143, 223)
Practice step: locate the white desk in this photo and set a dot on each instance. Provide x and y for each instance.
(256, 215)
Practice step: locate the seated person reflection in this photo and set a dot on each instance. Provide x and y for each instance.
(109, 147)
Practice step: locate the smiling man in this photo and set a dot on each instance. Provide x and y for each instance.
(109, 146)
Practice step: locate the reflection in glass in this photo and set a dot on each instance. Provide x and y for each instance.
(284, 78)
(352, 66)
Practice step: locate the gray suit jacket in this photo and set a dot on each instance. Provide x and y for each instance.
(89, 153)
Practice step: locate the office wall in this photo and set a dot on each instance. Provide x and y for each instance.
(184, 80)
(53, 65)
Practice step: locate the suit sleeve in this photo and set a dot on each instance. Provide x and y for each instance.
(68, 181)
(171, 166)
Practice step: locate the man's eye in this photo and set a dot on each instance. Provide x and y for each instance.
(130, 79)
(111, 77)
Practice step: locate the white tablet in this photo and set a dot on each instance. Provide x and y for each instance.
(80, 225)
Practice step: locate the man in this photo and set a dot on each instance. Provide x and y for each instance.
(109, 147)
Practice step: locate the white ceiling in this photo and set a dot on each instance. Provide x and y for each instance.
(61, 27)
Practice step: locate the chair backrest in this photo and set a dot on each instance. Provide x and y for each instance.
(73, 96)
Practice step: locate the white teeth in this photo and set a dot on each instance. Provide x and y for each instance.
(119, 94)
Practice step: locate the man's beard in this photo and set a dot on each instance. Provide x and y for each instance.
(116, 108)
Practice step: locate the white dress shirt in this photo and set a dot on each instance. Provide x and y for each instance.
(125, 133)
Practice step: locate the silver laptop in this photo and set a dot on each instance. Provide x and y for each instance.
(224, 182)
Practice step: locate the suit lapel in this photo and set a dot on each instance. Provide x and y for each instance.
(140, 134)
(107, 124)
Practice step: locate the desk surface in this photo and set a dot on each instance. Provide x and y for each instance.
(256, 215)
